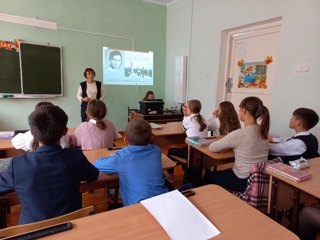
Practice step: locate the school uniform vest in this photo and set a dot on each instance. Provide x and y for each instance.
(84, 89)
(84, 94)
(311, 143)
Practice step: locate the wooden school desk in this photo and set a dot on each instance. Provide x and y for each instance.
(92, 155)
(104, 181)
(8, 150)
(234, 218)
(167, 116)
(170, 133)
(208, 158)
(11, 198)
(310, 186)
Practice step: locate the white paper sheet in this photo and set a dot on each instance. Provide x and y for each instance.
(179, 217)
(6, 135)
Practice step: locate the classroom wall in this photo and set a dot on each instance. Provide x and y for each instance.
(178, 37)
(205, 19)
(134, 19)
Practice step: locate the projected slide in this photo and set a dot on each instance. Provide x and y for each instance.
(127, 67)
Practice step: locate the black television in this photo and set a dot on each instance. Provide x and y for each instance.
(152, 106)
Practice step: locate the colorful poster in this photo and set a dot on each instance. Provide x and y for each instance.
(253, 75)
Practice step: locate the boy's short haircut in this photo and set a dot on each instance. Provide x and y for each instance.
(308, 117)
(42, 103)
(48, 124)
(138, 132)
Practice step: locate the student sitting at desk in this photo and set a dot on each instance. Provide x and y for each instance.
(138, 165)
(47, 181)
(194, 124)
(25, 141)
(303, 143)
(223, 120)
(149, 96)
(96, 133)
(250, 145)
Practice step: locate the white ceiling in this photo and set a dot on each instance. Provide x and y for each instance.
(160, 2)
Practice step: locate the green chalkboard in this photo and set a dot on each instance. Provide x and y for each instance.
(10, 82)
(41, 69)
(36, 71)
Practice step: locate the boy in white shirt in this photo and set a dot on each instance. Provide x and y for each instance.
(303, 143)
(26, 142)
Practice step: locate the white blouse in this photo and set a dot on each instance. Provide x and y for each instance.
(191, 126)
(91, 91)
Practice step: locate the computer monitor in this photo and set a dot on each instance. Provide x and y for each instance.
(152, 106)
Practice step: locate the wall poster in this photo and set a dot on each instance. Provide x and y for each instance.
(253, 74)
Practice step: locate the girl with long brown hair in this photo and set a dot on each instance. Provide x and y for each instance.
(224, 120)
(250, 145)
(149, 96)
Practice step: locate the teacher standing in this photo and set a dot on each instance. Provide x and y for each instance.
(88, 90)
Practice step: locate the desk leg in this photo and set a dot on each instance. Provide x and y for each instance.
(295, 209)
(273, 197)
(116, 195)
(3, 213)
(201, 160)
(190, 156)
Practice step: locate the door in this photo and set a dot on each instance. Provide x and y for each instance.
(252, 66)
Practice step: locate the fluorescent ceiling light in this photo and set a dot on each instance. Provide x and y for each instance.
(27, 21)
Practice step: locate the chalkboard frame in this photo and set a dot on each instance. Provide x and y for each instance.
(41, 73)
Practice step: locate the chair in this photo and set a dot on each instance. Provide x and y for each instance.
(131, 113)
(257, 191)
(19, 229)
(178, 160)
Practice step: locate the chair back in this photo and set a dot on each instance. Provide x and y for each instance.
(19, 229)
(257, 191)
(316, 132)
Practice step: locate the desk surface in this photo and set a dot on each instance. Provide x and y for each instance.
(214, 155)
(170, 128)
(233, 217)
(312, 185)
(92, 155)
(165, 113)
(158, 118)
(7, 145)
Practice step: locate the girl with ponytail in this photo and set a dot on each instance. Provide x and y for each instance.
(250, 145)
(96, 133)
(194, 124)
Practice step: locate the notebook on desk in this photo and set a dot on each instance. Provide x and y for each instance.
(155, 126)
(289, 172)
(5, 135)
(198, 141)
